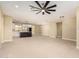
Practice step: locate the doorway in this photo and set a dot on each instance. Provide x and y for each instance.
(59, 29)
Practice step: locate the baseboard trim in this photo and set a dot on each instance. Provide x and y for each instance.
(59, 36)
(52, 36)
(6, 41)
(68, 39)
(49, 36)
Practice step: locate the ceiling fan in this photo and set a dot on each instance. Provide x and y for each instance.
(44, 9)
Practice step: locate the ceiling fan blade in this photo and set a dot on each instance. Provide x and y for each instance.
(38, 4)
(38, 12)
(51, 6)
(47, 12)
(47, 2)
(43, 13)
(35, 10)
(52, 10)
(34, 7)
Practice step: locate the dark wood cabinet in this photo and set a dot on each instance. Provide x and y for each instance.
(25, 34)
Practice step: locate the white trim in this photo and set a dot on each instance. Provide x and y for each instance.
(68, 39)
(6, 41)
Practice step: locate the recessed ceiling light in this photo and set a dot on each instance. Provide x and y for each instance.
(16, 6)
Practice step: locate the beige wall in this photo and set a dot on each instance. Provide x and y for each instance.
(33, 30)
(49, 29)
(1, 26)
(52, 30)
(45, 30)
(36, 29)
(69, 29)
(7, 28)
(77, 30)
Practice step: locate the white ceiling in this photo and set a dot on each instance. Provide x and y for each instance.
(24, 13)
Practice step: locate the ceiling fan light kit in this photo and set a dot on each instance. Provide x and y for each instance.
(44, 9)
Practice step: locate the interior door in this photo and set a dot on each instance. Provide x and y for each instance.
(59, 30)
